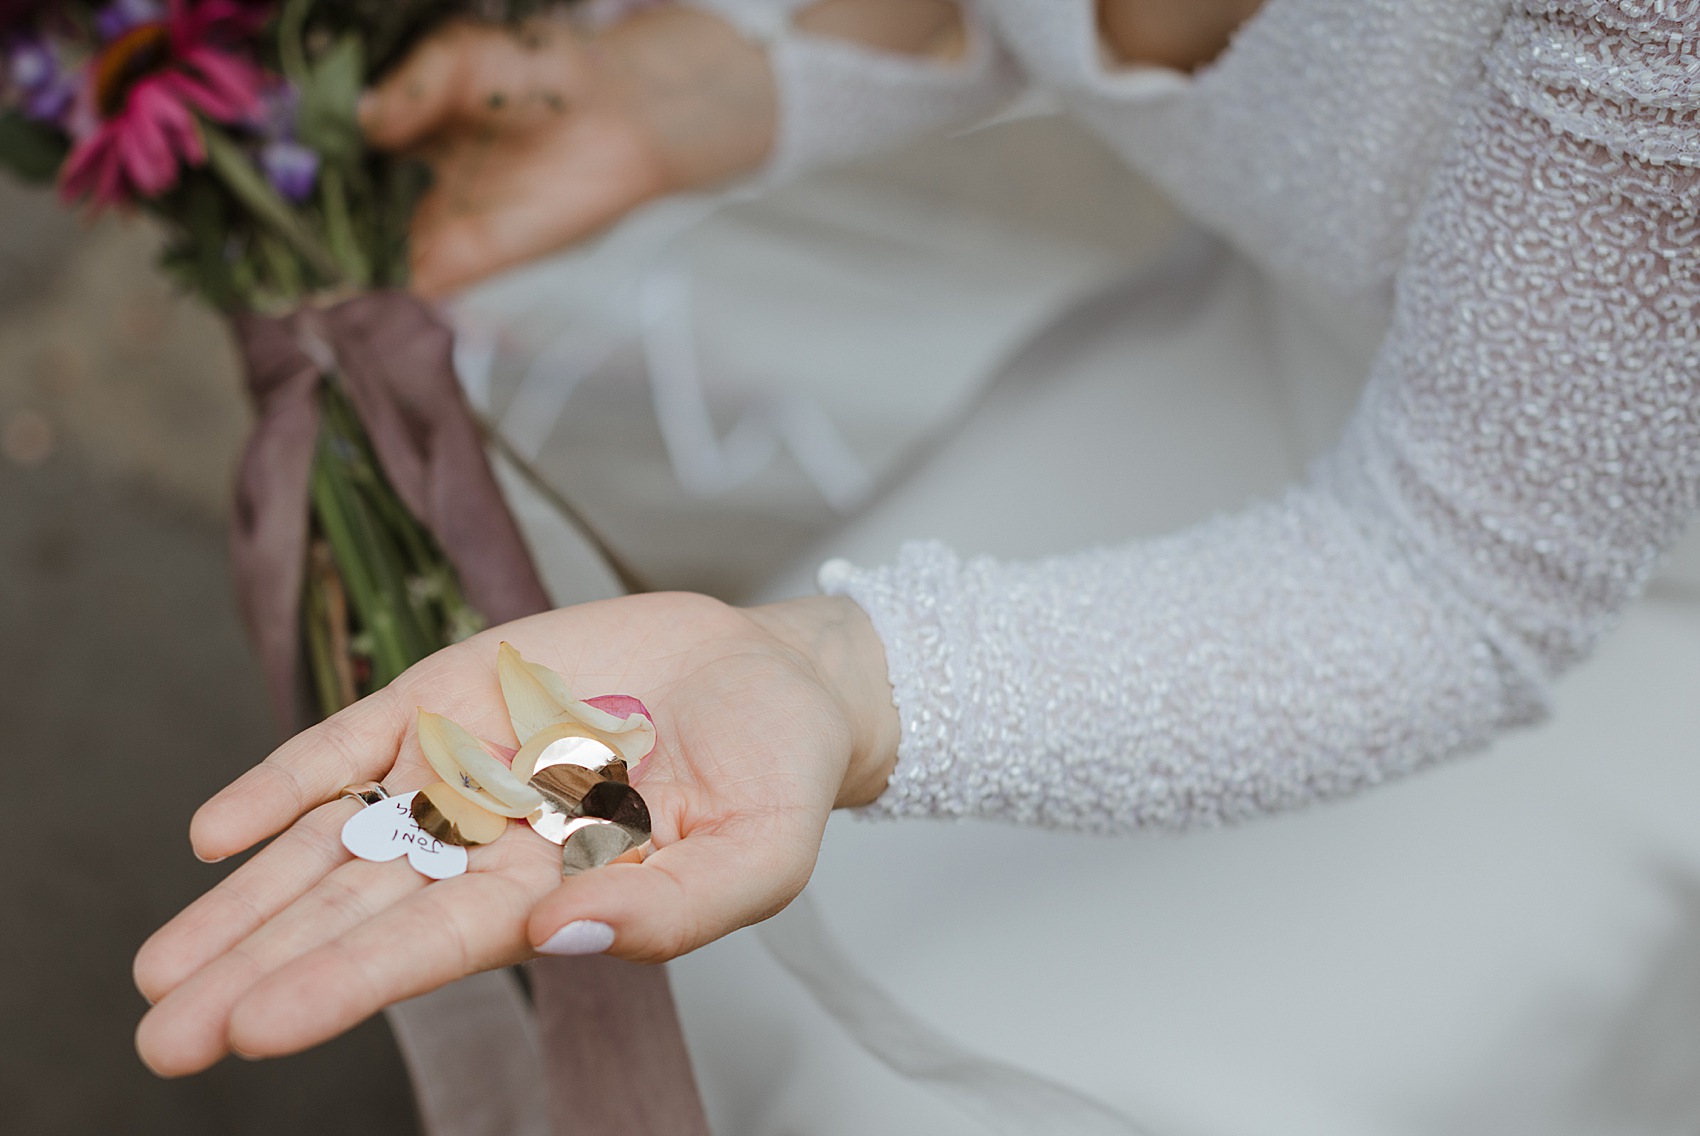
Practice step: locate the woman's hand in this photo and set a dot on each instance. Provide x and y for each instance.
(767, 718)
(540, 135)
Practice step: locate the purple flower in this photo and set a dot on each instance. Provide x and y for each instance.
(291, 167)
(120, 16)
(42, 88)
(274, 114)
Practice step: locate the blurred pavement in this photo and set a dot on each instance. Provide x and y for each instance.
(127, 693)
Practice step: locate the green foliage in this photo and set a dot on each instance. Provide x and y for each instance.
(329, 95)
(250, 188)
(204, 236)
(31, 150)
(400, 594)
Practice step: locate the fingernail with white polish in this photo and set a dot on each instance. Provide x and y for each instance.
(210, 859)
(580, 937)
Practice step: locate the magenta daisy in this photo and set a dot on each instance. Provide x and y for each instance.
(134, 123)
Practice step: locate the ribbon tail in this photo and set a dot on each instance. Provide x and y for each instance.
(397, 361)
(610, 1032)
(268, 531)
(616, 1053)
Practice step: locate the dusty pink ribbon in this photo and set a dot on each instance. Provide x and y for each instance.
(612, 1043)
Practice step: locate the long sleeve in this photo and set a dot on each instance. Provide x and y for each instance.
(839, 101)
(1528, 443)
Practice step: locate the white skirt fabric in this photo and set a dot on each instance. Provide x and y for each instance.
(1509, 944)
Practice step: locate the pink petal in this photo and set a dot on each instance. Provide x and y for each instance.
(143, 146)
(223, 86)
(620, 705)
(180, 130)
(110, 188)
(85, 167)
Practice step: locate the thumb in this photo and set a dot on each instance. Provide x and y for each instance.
(682, 897)
(442, 81)
(418, 96)
(474, 74)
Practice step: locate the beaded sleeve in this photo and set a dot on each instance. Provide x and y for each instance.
(1528, 442)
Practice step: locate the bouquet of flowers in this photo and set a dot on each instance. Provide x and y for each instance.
(369, 531)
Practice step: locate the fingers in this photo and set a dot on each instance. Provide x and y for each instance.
(419, 95)
(470, 75)
(189, 1029)
(453, 249)
(687, 894)
(446, 931)
(357, 744)
(267, 884)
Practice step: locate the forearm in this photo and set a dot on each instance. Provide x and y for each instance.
(1529, 443)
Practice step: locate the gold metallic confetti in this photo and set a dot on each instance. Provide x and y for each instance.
(453, 819)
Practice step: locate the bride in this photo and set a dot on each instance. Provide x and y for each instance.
(1506, 194)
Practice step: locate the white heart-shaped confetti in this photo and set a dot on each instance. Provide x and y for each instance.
(387, 831)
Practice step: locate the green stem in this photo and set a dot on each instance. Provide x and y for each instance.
(320, 665)
(339, 227)
(340, 414)
(419, 555)
(226, 159)
(285, 272)
(291, 28)
(396, 644)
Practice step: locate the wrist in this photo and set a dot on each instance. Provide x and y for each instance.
(837, 641)
(702, 94)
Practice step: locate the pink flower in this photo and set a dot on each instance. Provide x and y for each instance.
(134, 122)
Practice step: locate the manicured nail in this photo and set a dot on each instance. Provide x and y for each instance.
(210, 859)
(580, 937)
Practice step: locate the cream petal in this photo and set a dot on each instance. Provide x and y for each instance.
(538, 699)
(470, 770)
(535, 695)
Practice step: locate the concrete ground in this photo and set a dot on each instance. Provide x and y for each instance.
(127, 693)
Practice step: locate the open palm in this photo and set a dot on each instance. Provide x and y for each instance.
(302, 942)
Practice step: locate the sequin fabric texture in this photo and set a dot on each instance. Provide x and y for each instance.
(1528, 442)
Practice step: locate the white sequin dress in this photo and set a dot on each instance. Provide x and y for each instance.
(1521, 191)
(1506, 197)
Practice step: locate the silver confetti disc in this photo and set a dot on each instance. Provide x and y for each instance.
(586, 753)
(597, 843)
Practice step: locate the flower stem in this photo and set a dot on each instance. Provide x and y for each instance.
(339, 228)
(245, 183)
(373, 588)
